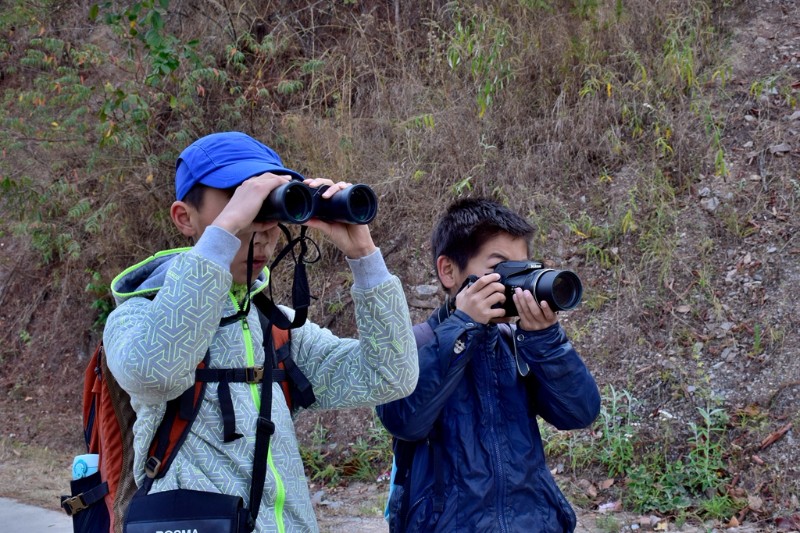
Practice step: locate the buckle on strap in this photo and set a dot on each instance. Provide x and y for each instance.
(265, 425)
(73, 505)
(151, 467)
(254, 374)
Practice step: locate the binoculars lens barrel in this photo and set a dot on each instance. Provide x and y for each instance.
(295, 202)
(356, 204)
(292, 202)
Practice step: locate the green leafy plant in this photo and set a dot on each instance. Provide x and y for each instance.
(617, 431)
(103, 304)
(477, 46)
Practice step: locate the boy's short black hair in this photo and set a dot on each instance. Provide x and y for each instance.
(198, 191)
(469, 223)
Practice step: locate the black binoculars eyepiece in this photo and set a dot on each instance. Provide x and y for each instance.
(295, 203)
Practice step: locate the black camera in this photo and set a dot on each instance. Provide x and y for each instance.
(561, 289)
(295, 202)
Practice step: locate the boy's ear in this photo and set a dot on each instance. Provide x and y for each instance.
(181, 214)
(446, 269)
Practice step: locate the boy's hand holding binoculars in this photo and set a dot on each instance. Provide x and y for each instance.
(252, 209)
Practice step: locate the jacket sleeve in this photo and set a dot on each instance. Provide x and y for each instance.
(562, 390)
(441, 367)
(377, 367)
(154, 346)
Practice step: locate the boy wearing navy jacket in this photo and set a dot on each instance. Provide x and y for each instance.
(478, 464)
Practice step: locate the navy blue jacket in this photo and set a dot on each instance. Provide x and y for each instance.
(473, 402)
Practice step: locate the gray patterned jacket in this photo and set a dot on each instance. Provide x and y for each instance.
(167, 317)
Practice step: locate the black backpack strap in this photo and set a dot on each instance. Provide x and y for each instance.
(264, 430)
(435, 442)
(423, 334)
(225, 376)
(301, 393)
(156, 466)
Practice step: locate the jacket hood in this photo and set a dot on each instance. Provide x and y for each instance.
(147, 277)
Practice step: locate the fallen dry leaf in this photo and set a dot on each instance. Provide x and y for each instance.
(775, 436)
(588, 488)
(754, 502)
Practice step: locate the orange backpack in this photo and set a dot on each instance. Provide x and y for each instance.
(99, 501)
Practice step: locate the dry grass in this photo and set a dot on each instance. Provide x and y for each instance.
(34, 474)
(601, 129)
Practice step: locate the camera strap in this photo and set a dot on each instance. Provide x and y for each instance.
(522, 366)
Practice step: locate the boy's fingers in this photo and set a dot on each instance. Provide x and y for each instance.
(486, 280)
(526, 304)
(496, 298)
(336, 187)
(548, 313)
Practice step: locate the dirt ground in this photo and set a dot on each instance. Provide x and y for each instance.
(740, 339)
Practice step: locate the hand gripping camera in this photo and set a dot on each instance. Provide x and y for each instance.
(561, 289)
(295, 202)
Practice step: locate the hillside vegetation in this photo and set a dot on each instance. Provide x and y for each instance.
(619, 128)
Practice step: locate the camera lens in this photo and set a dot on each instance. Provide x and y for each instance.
(561, 289)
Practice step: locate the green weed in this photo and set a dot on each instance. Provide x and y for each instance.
(617, 431)
(477, 47)
(103, 303)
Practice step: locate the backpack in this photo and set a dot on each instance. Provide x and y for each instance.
(99, 501)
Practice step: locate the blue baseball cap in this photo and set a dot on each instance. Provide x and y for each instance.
(224, 160)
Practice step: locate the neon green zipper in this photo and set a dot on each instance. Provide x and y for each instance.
(280, 490)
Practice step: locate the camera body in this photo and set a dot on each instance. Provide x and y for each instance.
(295, 203)
(561, 289)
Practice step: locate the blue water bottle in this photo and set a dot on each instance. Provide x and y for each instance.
(84, 465)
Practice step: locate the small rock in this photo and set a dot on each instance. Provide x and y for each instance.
(420, 303)
(710, 204)
(749, 118)
(794, 116)
(331, 505)
(426, 290)
(780, 149)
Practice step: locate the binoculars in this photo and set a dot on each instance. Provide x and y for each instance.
(295, 202)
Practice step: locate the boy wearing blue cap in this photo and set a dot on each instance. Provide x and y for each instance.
(172, 309)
